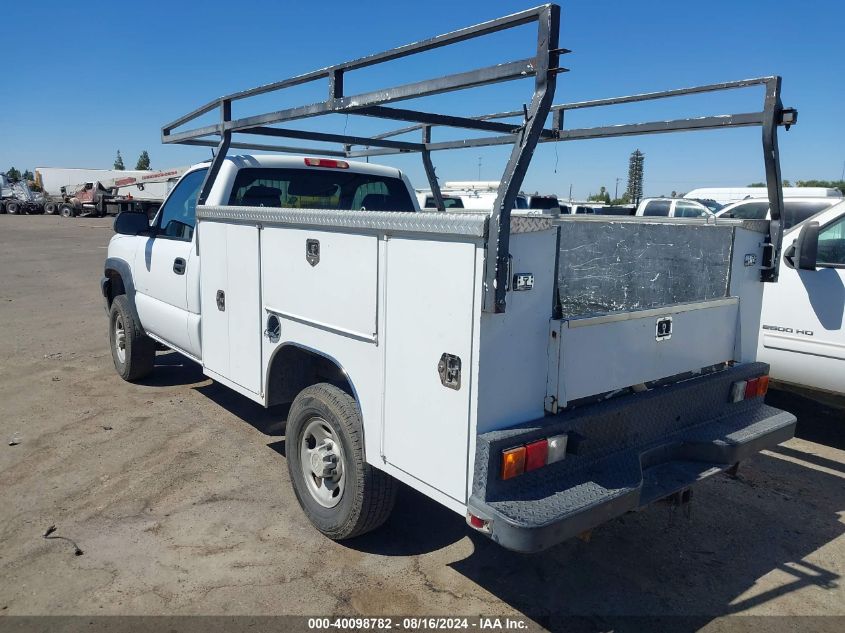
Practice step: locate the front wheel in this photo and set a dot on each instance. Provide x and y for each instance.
(50, 208)
(12, 207)
(133, 352)
(67, 211)
(339, 492)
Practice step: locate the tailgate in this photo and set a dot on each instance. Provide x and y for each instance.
(594, 355)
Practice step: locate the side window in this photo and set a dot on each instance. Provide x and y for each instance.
(688, 210)
(796, 211)
(448, 203)
(832, 244)
(657, 208)
(751, 210)
(178, 215)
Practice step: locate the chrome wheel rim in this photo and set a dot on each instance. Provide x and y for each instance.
(322, 463)
(120, 339)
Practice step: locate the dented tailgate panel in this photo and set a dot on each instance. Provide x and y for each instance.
(617, 265)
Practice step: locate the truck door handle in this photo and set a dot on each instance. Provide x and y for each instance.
(179, 266)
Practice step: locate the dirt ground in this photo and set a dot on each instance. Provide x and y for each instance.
(177, 492)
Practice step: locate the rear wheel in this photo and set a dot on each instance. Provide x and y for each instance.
(340, 493)
(67, 210)
(50, 208)
(12, 207)
(132, 351)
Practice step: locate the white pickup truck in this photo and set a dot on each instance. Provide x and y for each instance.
(803, 334)
(537, 375)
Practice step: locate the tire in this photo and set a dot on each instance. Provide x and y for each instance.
(135, 359)
(366, 494)
(67, 211)
(13, 208)
(2, 208)
(50, 208)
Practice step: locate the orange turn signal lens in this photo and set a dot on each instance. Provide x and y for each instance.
(513, 462)
(762, 385)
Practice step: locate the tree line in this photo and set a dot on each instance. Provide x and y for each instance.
(827, 184)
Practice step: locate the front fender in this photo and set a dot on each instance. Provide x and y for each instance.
(120, 267)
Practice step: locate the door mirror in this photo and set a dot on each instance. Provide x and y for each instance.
(128, 223)
(804, 252)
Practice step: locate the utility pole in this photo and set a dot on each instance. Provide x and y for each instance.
(479, 168)
(616, 190)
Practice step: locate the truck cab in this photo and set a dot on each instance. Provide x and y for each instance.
(802, 333)
(161, 263)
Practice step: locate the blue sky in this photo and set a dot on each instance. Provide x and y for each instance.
(90, 78)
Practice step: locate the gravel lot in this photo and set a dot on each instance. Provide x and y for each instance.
(177, 492)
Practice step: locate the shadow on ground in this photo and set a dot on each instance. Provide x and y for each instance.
(768, 521)
(818, 421)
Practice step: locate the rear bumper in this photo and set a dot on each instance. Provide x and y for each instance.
(662, 446)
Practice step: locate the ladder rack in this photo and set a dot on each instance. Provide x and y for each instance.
(529, 128)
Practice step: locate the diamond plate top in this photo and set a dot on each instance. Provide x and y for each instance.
(471, 225)
(530, 223)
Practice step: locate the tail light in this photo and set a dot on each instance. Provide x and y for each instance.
(327, 162)
(478, 523)
(513, 462)
(534, 455)
(747, 389)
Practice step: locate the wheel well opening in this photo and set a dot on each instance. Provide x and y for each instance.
(294, 368)
(116, 286)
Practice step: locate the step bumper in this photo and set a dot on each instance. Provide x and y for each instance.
(540, 509)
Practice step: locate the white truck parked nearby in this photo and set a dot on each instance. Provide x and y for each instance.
(539, 376)
(802, 333)
(728, 195)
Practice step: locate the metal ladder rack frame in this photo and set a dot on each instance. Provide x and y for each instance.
(523, 135)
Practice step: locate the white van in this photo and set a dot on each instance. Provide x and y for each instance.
(802, 335)
(727, 195)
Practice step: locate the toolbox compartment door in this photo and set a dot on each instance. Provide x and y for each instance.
(612, 351)
(229, 299)
(430, 290)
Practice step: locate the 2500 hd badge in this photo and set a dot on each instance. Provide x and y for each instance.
(787, 330)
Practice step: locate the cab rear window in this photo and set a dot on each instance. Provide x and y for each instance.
(318, 189)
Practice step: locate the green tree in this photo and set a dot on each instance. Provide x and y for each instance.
(28, 175)
(601, 196)
(784, 182)
(829, 184)
(143, 161)
(13, 174)
(118, 162)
